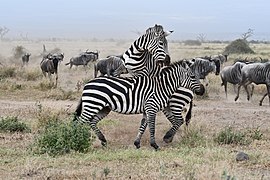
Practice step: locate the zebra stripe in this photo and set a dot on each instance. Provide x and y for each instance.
(135, 95)
(173, 113)
(144, 53)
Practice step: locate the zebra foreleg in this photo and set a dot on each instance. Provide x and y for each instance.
(151, 120)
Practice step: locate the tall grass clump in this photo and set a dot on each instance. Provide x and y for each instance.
(7, 72)
(193, 137)
(230, 136)
(12, 124)
(61, 138)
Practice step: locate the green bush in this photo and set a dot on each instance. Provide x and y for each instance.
(228, 136)
(61, 138)
(11, 124)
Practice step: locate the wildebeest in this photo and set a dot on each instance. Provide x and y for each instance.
(25, 58)
(202, 67)
(50, 65)
(258, 73)
(112, 66)
(83, 59)
(232, 74)
(222, 57)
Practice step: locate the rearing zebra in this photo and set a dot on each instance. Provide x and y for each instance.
(144, 53)
(136, 95)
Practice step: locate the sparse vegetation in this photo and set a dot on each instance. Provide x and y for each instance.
(12, 124)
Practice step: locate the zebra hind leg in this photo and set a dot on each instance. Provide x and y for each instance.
(104, 112)
(168, 137)
(177, 120)
(142, 128)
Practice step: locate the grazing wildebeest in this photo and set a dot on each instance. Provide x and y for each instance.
(25, 58)
(112, 66)
(50, 65)
(83, 59)
(258, 73)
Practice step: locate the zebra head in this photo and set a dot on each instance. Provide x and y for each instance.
(190, 81)
(157, 43)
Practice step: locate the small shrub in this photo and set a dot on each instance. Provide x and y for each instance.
(32, 75)
(256, 134)
(61, 138)
(228, 136)
(193, 137)
(12, 124)
(45, 86)
(7, 72)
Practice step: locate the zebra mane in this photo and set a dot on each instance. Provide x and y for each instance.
(175, 64)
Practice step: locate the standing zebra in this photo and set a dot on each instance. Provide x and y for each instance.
(202, 67)
(258, 73)
(140, 94)
(144, 54)
(231, 74)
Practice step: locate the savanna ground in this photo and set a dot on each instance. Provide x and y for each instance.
(26, 95)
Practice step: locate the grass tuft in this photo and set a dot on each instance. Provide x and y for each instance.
(12, 124)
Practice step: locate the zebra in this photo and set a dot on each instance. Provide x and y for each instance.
(50, 65)
(173, 113)
(146, 52)
(25, 58)
(112, 66)
(258, 73)
(202, 67)
(134, 95)
(232, 74)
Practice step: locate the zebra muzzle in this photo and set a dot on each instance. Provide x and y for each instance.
(201, 91)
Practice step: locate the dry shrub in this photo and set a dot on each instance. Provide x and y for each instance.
(238, 46)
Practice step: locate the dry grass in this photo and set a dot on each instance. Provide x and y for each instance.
(23, 95)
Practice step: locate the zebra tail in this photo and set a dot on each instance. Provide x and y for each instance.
(188, 116)
(78, 110)
(95, 70)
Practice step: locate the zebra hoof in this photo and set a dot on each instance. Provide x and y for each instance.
(168, 137)
(137, 144)
(104, 143)
(235, 99)
(154, 145)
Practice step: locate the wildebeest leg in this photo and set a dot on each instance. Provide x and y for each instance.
(251, 89)
(142, 128)
(56, 79)
(225, 88)
(93, 123)
(238, 90)
(268, 93)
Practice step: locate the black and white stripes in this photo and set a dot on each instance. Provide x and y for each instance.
(142, 94)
